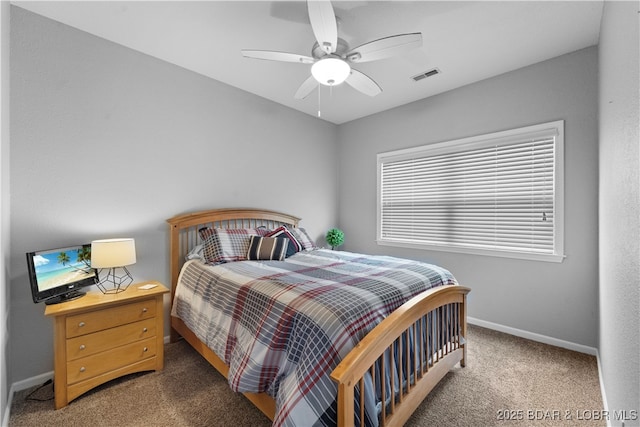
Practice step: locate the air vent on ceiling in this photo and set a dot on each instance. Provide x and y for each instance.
(426, 74)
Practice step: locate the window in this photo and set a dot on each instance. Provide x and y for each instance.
(498, 194)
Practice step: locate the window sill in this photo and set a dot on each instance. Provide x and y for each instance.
(485, 252)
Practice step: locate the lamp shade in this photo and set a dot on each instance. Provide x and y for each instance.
(109, 253)
(330, 71)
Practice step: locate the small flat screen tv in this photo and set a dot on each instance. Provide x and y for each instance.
(57, 275)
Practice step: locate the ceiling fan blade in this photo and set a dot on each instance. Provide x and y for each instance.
(385, 47)
(306, 87)
(277, 56)
(363, 83)
(323, 23)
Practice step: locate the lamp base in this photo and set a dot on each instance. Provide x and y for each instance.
(112, 282)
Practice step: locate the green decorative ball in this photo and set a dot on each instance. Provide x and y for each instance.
(335, 237)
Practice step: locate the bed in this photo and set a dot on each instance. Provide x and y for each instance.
(375, 371)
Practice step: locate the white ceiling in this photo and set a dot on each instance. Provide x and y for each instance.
(466, 41)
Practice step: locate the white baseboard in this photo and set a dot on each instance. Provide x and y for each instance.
(602, 390)
(534, 337)
(30, 382)
(7, 412)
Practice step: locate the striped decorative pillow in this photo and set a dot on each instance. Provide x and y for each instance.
(267, 248)
(293, 245)
(227, 244)
(303, 238)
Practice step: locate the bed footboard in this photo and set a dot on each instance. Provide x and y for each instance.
(417, 344)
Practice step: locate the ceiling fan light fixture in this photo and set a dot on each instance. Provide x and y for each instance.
(330, 71)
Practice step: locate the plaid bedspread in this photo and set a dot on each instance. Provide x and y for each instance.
(283, 326)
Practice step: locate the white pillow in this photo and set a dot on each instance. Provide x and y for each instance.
(195, 253)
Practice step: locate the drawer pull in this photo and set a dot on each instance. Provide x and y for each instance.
(144, 310)
(81, 324)
(144, 329)
(82, 369)
(145, 349)
(82, 347)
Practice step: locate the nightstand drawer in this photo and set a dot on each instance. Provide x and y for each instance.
(94, 321)
(88, 367)
(86, 345)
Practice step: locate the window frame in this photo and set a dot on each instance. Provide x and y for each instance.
(457, 145)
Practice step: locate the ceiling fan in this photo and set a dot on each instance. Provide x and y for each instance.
(331, 57)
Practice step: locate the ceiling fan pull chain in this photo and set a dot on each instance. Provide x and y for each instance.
(319, 115)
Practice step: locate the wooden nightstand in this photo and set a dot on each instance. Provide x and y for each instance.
(100, 337)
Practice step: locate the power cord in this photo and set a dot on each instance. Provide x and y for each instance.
(30, 395)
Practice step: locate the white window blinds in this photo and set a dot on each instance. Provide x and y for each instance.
(493, 194)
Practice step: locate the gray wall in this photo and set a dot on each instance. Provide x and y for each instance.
(558, 300)
(108, 142)
(5, 361)
(620, 207)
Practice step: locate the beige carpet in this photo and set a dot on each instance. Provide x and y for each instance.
(506, 377)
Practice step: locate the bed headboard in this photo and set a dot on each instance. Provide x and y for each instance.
(183, 230)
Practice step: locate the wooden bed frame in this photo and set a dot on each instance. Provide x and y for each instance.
(446, 303)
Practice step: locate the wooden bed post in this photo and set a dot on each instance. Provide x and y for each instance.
(346, 409)
(174, 267)
(463, 330)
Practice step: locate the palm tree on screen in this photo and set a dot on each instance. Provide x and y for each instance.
(63, 258)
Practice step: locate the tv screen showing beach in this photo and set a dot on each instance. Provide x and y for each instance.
(61, 267)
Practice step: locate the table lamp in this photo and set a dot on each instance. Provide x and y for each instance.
(110, 257)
